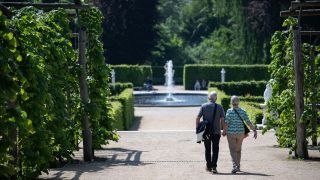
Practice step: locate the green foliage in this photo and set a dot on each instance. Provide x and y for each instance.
(126, 99)
(242, 88)
(130, 33)
(220, 47)
(159, 75)
(40, 108)
(281, 106)
(195, 72)
(135, 74)
(98, 86)
(170, 45)
(216, 31)
(36, 86)
(258, 118)
(116, 114)
(225, 102)
(117, 88)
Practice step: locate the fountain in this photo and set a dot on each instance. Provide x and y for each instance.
(169, 80)
(170, 98)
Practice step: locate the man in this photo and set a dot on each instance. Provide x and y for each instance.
(214, 114)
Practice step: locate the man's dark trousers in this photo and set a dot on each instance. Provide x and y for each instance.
(212, 142)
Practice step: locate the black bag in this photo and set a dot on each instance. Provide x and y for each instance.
(209, 126)
(246, 129)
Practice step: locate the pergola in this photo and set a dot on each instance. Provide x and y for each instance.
(82, 40)
(298, 9)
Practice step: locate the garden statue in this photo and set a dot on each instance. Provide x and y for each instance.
(197, 86)
(203, 84)
(266, 95)
(223, 75)
(113, 76)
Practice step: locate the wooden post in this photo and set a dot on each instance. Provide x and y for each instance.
(313, 102)
(301, 149)
(86, 131)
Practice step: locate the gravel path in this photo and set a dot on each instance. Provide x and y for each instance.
(161, 145)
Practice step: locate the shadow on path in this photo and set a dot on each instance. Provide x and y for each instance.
(244, 173)
(136, 123)
(120, 157)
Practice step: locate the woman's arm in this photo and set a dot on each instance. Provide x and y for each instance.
(252, 127)
(225, 127)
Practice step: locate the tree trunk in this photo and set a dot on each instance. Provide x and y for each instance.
(86, 131)
(301, 149)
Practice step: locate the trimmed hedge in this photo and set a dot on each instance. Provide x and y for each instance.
(194, 72)
(136, 74)
(225, 103)
(241, 88)
(117, 88)
(116, 115)
(159, 78)
(126, 99)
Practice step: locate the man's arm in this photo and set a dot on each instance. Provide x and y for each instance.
(200, 114)
(197, 121)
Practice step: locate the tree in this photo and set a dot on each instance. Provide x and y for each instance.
(129, 30)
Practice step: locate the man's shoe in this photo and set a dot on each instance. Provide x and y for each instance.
(234, 170)
(209, 169)
(214, 170)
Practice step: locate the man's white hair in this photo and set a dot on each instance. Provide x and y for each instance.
(212, 96)
(235, 100)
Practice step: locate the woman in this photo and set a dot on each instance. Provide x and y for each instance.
(234, 129)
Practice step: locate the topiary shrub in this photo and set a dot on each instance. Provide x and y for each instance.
(117, 88)
(136, 74)
(194, 72)
(225, 103)
(258, 118)
(116, 115)
(126, 99)
(242, 88)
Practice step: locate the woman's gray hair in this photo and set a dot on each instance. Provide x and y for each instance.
(235, 100)
(212, 96)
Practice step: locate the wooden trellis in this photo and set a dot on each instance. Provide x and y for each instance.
(299, 9)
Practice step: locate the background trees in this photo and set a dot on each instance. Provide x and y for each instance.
(129, 30)
(217, 31)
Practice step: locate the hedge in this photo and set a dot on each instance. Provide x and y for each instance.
(159, 78)
(136, 74)
(116, 115)
(126, 99)
(242, 88)
(194, 72)
(117, 88)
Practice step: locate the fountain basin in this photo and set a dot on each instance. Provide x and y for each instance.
(177, 99)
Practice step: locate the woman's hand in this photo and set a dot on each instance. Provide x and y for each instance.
(255, 134)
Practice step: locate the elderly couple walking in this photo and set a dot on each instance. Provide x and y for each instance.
(233, 128)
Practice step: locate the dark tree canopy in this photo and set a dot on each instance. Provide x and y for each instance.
(129, 30)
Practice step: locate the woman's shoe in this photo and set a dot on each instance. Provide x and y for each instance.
(214, 170)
